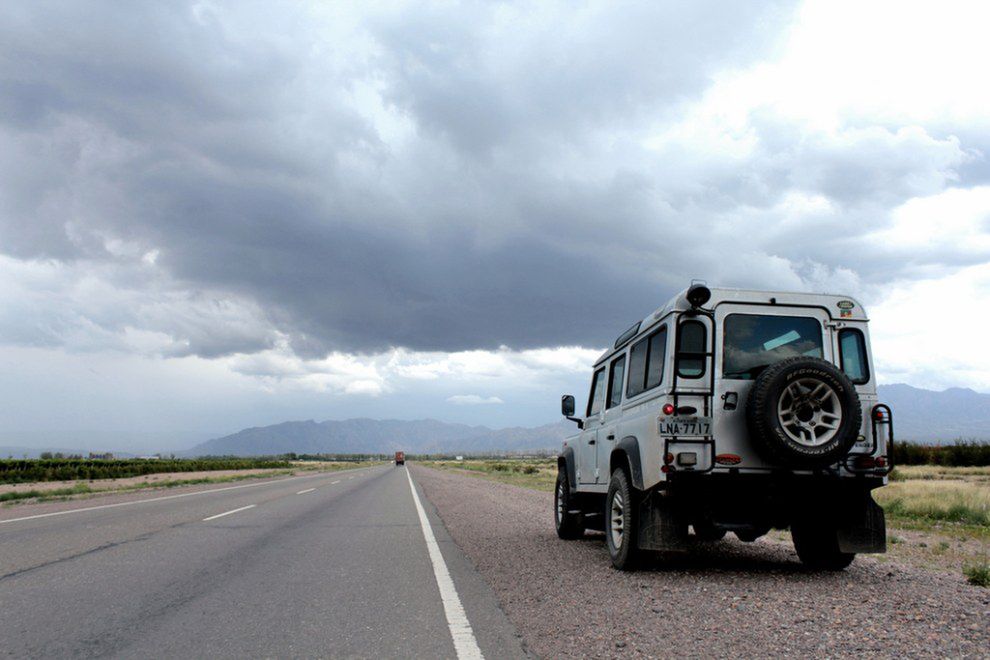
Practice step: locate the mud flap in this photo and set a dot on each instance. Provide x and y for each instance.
(660, 527)
(861, 525)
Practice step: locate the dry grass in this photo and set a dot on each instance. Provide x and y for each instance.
(937, 495)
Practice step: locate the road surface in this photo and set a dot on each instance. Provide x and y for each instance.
(334, 564)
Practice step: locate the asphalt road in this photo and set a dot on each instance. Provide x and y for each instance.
(329, 565)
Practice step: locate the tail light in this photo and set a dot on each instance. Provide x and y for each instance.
(668, 409)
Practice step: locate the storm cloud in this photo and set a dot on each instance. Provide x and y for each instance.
(215, 179)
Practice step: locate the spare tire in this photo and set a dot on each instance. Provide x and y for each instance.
(803, 412)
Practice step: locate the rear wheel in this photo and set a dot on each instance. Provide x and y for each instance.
(570, 525)
(817, 546)
(620, 522)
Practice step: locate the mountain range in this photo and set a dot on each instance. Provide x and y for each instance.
(920, 415)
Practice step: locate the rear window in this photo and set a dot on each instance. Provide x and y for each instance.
(852, 355)
(753, 342)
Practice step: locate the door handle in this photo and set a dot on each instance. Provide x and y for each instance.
(591, 442)
(611, 437)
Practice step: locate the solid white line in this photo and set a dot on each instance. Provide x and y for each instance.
(460, 628)
(308, 490)
(165, 497)
(227, 513)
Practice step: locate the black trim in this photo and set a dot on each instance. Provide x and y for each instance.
(629, 446)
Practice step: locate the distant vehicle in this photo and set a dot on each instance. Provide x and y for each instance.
(400, 458)
(730, 410)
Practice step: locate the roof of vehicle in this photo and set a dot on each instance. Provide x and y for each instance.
(840, 307)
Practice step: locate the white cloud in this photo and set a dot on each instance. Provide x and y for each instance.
(473, 400)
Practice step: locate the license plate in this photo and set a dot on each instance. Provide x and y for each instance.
(684, 426)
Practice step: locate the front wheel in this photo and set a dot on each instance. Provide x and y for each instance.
(620, 522)
(570, 524)
(817, 547)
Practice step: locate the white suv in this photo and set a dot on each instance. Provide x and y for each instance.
(731, 410)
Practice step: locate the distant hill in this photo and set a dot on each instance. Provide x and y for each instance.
(919, 415)
(381, 436)
(937, 417)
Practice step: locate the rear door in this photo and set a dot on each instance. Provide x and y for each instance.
(748, 338)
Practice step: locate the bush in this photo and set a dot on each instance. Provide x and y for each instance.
(961, 453)
(978, 574)
(13, 471)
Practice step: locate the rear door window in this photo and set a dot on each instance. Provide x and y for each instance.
(691, 349)
(618, 372)
(753, 342)
(852, 355)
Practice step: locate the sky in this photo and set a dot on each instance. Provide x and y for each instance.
(218, 215)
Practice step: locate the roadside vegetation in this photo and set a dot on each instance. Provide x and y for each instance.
(961, 453)
(80, 489)
(16, 471)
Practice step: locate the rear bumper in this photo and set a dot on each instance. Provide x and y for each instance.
(776, 501)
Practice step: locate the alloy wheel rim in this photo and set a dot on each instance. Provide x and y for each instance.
(617, 519)
(809, 412)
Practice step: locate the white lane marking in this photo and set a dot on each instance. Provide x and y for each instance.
(165, 497)
(335, 482)
(460, 628)
(227, 513)
(308, 490)
(350, 477)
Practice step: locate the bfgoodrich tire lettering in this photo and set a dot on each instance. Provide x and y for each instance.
(803, 412)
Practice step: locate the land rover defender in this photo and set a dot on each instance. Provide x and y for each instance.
(731, 411)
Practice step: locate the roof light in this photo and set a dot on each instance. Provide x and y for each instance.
(698, 295)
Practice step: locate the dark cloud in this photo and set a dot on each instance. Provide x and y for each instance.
(428, 178)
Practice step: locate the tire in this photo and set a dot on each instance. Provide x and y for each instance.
(621, 519)
(817, 547)
(708, 533)
(569, 525)
(803, 412)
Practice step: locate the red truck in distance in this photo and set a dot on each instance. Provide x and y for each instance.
(400, 458)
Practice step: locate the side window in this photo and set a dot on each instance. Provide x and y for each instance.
(658, 352)
(637, 367)
(691, 345)
(597, 393)
(646, 362)
(615, 382)
(852, 355)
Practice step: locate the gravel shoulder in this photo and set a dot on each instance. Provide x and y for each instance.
(725, 599)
